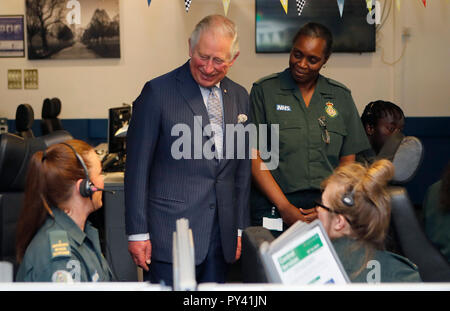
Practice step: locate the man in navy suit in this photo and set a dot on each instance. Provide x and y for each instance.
(166, 180)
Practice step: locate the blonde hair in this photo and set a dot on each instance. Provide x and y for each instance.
(369, 215)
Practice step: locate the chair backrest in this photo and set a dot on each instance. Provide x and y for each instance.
(412, 241)
(252, 266)
(406, 153)
(15, 153)
(51, 108)
(24, 120)
(407, 159)
(12, 156)
(10, 207)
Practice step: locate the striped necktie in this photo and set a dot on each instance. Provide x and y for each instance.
(216, 120)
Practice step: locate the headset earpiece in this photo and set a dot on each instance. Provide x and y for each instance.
(86, 184)
(348, 199)
(85, 188)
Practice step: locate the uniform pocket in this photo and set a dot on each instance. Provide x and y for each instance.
(290, 124)
(289, 136)
(337, 132)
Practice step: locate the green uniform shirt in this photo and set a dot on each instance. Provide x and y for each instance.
(437, 221)
(61, 252)
(305, 159)
(382, 266)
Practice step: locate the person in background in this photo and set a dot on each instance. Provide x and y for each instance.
(319, 129)
(161, 186)
(436, 213)
(355, 212)
(55, 242)
(383, 122)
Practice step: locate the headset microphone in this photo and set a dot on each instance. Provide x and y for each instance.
(87, 188)
(93, 188)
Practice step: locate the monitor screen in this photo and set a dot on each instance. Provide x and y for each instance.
(118, 120)
(275, 29)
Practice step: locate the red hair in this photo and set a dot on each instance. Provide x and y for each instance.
(50, 178)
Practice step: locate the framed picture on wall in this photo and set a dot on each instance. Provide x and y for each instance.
(12, 36)
(73, 29)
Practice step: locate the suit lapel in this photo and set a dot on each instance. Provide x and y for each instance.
(190, 91)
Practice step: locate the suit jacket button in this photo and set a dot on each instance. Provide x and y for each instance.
(212, 206)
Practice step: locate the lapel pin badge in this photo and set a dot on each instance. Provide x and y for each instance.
(242, 118)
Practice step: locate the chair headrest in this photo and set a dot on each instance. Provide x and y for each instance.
(12, 154)
(15, 153)
(51, 108)
(24, 117)
(407, 159)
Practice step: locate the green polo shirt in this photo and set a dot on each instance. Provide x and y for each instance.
(61, 252)
(305, 159)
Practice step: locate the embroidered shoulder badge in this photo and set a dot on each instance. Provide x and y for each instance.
(330, 110)
(59, 244)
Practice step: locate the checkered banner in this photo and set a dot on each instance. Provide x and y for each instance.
(226, 5)
(187, 4)
(341, 6)
(300, 5)
(284, 3)
(370, 3)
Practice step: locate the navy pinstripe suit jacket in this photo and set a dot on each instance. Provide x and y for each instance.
(160, 189)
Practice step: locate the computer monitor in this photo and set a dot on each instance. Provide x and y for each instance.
(118, 120)
(352, 33)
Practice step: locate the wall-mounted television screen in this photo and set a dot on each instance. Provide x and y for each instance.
(351, 33)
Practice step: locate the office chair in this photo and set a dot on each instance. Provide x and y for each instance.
(51, 108)
(412, 241)
(252, 266)
(15, 152)
(24, 120)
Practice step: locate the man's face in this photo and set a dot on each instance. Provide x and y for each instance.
(384, 128)
(210, 58)
(307, 58)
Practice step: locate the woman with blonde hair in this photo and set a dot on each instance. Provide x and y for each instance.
(55, 242)
(355, 212)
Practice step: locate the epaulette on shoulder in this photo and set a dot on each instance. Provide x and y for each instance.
(339, 84)
(59, 244)
(269, 77)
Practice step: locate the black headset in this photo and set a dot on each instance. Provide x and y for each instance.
(87, 188)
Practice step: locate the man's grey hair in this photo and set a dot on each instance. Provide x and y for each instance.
(220, 24)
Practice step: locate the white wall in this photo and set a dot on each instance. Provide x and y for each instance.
(154, 41)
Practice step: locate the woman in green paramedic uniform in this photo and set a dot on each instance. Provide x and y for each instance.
(355, 212)
(319, 129)
(55, 242)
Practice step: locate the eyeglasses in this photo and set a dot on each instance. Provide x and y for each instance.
(332, 211)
